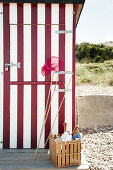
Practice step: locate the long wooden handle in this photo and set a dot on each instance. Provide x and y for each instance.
(65, 126)
(55, 118)
(44, 118)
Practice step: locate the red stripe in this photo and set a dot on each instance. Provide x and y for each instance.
(34, 83)
(47, 55)
(34, 76)
(20, 76)
(61, 118)
(6, 50)
(73, 69)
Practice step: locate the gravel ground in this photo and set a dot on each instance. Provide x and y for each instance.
(83, 90)
(97, 146)
(97, 142)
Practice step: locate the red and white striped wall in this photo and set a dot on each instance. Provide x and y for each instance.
(28, 35)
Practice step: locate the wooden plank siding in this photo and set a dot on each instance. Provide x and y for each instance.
(79, 10)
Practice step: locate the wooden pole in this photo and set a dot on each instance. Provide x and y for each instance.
(55, 117)
(65, 126)
(45, 115)
(44, 118)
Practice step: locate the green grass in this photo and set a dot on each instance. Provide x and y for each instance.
(95, 73)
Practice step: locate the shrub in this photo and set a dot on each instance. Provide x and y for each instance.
(85, 80)
(97, 59)
(86, 52)
(110, 83)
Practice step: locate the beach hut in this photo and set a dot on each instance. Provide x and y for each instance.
(31, 31)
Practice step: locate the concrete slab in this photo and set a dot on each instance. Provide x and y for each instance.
(94, 110)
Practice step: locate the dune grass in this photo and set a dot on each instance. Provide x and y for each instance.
(95, 73)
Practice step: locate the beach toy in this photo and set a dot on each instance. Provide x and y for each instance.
(78, 135)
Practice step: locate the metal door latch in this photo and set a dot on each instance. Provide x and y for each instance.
(1, 141)
(63, 90)
(11, 65)
(64, 31)
(64, 72)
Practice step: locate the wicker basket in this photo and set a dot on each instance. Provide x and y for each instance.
(65, 153)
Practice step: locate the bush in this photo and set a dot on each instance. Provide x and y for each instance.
(86, 52)
(97, 59)
(85, 80)
(110, 83)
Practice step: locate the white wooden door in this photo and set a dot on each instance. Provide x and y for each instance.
(33, 37)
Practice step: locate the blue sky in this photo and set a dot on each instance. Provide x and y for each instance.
(96, 22)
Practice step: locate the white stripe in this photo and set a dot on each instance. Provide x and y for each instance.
(40, 113)
(13, 116)
(1, 76)
(55, 14)
(41, 13)
(27, 13)
(27, 117)
(13, 76)
(54, 36)
(13, 52)
(41, 41)
(13, 13)
(13, 41)
(54, 109)
(40, 63)
(27, 42)
(54, 52)
(68, 64)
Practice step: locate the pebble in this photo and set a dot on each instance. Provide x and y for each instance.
(87, 89)
(97, 146)
(97, 142)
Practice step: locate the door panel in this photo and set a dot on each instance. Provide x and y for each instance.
(55, 36)
(54, 109)
(13, 116)
(27, 117)
(13, 13)
(13, 52)
(41, 51)
(40, 113)
(27, 53)
(32, 41)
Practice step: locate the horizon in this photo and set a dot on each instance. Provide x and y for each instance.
(95, 43)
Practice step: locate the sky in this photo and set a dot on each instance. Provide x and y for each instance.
(96, 22)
